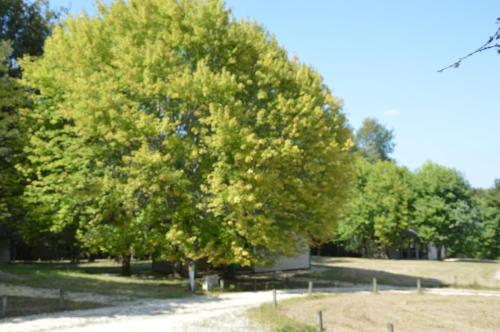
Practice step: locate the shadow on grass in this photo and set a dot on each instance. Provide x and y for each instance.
(365, 276)
(103, 280)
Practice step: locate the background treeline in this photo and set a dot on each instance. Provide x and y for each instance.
(391, 204)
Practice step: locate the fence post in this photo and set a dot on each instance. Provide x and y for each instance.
(375, 285)
(221, 283)
(4, 305)
(390, 327)
(320, 321)
(275, 300)
(310, 288)
(419, 285)
(61, 297)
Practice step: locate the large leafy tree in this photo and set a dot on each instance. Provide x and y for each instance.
(374, 141)
(171, 127)
(379, 210)
(445, 212)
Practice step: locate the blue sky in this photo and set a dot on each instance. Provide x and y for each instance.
(381, 58)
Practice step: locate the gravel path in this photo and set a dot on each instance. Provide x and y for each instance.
(225, 312)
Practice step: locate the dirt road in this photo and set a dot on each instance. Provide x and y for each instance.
(225, 312)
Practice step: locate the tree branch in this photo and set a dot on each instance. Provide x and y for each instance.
(486, 46)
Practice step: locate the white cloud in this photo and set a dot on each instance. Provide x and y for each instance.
(392, 113)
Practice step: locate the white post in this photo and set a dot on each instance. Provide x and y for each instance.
(191, 272)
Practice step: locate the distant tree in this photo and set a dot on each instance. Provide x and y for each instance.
(489, 239)
(170, 127)
(444, 210)
(379, 210)
(25, 25)
(374, 141)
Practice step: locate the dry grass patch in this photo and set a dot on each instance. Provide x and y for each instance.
(408, 312)
(405, 272)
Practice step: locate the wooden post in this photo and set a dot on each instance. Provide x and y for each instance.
(310, 288)
(419, 285)
(61, 298)
(221, 284)
(375, 285)
(275, 300)
(4, 306)
(390, 327)
(320, 321)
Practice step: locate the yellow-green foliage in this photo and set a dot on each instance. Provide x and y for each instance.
(183, 131)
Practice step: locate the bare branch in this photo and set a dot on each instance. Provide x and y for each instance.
(486, 46)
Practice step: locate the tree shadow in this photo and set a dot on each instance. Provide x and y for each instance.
(365, 276)
(146, 307)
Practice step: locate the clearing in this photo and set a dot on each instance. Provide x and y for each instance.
(477, 275)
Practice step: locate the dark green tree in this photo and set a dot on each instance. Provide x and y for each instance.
(12, 96)
(444, 210)
(489, 240)
(25, 25)
(379, 210)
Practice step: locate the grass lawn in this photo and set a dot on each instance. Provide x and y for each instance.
(23, 306)
(372, 312)
(101, 277)
(405, 272)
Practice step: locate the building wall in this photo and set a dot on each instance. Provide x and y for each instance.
(283, 263)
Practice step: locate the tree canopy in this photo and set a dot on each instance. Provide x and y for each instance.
(171, 127)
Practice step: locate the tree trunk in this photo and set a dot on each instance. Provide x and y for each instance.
(177, 269)
(126, 265)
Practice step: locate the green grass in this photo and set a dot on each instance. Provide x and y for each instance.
(23, 306)
(100, 278)
(475, 275)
